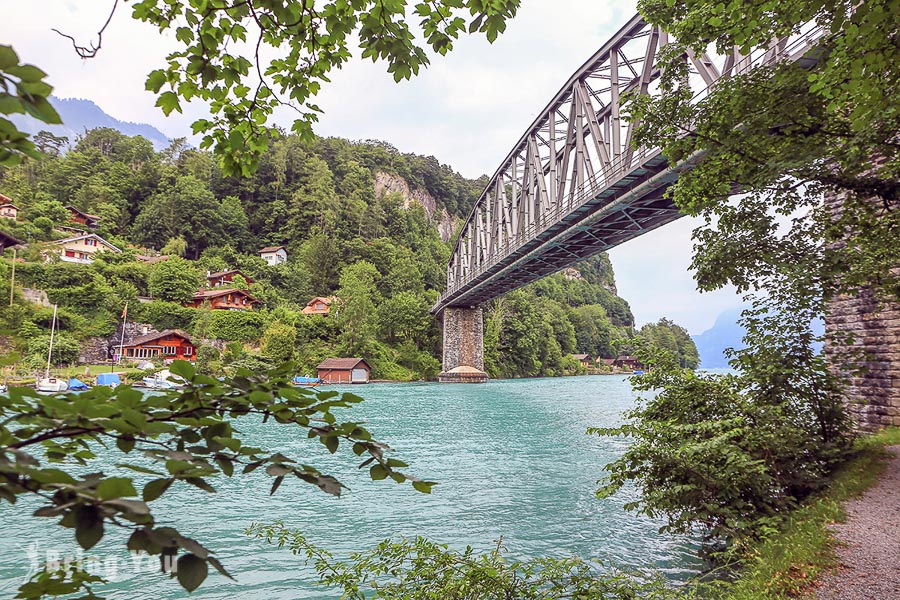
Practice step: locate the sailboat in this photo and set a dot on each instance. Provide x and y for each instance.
(47, 383)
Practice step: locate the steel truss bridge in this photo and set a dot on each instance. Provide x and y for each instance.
(574, 185)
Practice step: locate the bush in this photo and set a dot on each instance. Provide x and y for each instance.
(278, 342)
(235, 325)
(175, 280)
(731, 454)
(162, 315)
(65, 348)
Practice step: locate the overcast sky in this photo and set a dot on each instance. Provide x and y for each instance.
(467, 109)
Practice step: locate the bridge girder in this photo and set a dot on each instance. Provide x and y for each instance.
(574, 184)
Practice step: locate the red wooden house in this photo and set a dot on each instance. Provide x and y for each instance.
(170, 344)
(319, 306)
(223, 299)
(628, 363)
(344, 370)
(226, 278)
(82, 218)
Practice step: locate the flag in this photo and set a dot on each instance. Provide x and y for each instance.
(125, 311)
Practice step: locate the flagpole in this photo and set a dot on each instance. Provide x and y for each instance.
(122, 340)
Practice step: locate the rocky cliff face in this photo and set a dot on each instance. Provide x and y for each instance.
(387, 183)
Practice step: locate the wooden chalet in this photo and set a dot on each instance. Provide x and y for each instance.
(9, 211)
(344, 370)
(171, 344)
(319, 306)
(223, 299)
(628, 363)
(82, 248)
(226, 278)
(83, 218)
(584, 359)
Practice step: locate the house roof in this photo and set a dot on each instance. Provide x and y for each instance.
(7, 240)
(207, 294)
(580, 356)
(326, 301)
(342, 364)
(152, 337)
(5, 199)
(86, 236)
(8, 205)
(228, 272)
(271, 249)
(82, 213)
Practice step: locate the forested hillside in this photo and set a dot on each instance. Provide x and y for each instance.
(359, 220)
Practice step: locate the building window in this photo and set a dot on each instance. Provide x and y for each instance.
(188, 350)
(90, 242)
(169, 350)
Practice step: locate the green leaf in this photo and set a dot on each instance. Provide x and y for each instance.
(182, 368)
(8, 57)
(191, 571)
(88, 526)
(156, 488)
(155, 80)
(168, 101)
(378, 472)
(115, 487)
(423, 486)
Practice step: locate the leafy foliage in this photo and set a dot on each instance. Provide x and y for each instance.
(175, 280)
(190, 438)
(731, 454)
(22, 90)
(307, 43)
(416, 569)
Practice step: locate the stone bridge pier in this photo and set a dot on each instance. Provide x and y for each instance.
(463, 346)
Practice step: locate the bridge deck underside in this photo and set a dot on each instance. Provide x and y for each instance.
(626, 209)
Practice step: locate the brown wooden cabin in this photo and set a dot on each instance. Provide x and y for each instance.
(170, 344)
(319, 306)
(223, 299)
(225, 278)
(628, 363)
(83, 218)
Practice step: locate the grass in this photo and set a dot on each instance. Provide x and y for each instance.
(789, 562)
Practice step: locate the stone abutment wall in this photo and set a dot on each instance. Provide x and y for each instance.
(863, 342)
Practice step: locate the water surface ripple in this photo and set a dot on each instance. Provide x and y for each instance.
(512, 459)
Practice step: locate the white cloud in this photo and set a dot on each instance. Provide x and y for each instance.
(467, 109)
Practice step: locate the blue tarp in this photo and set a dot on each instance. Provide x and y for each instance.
(77, 384)
(110, 379)
(298, 380)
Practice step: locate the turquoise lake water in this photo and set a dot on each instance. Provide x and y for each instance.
(512, 459)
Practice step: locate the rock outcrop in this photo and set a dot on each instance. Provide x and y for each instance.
(386, 183)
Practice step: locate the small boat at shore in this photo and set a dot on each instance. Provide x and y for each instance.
(109, 380)
(164, 380)
(46, 383)
(306, 381)
(3, 388)
(76, 385)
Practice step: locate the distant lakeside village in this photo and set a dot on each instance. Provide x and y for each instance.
(175, 271)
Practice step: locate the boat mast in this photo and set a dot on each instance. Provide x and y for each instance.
(50, 351)
(122, 339)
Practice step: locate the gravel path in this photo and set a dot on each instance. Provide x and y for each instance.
(869, 562)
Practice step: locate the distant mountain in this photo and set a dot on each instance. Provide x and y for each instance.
(725, 333)
(79, 115)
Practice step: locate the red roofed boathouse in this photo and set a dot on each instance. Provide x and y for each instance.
(344, 370)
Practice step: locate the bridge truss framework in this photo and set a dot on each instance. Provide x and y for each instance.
(574, 185)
